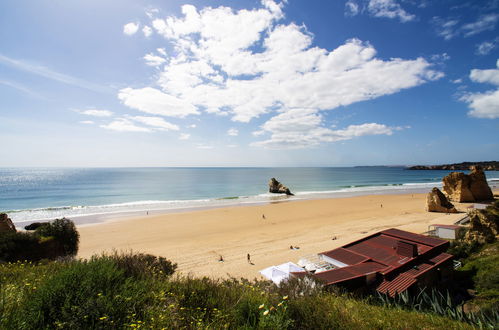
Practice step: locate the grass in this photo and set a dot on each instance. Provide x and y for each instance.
(138, 291)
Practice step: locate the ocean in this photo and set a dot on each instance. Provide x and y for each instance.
(83, 194)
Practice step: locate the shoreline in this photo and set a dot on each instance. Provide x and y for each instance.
(242, 201)
(196, 239)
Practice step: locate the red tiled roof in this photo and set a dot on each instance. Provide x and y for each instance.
(345, 256)
(414, 237)
(378, 253)
(440, 258)
(347, 273)
(397, 285)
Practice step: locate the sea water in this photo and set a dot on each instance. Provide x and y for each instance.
(32, 194)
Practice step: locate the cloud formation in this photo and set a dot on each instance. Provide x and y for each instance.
(378, 8)
(486, 47)
(451, 27)
(125, 125)
(48, 73)
(301, 128)
(484, 105)
(130, 28)
(247, 63)
(96, 112)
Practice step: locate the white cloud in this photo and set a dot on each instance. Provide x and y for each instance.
(147, 31)
(449, 28)
(490, 76)
(484, 105)
(125, 125)
(233, 132)
(86, 122)
(154, 60)
(184, 136)
(151, 12)
(153, 101)
(301, 128)
(130, 28)
(192, 126)
(51, 74)
(486, 47)
(389, 9)
(21, 88)
(457, 81)
(215, 68)
(162, 51)
(378, 8)
(351, 8)
(483, 23)
(96, 112)
(446, 28)
(232, 146)
(157, 122)
(440, 58)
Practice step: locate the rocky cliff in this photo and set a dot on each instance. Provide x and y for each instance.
(437, 202)
(473, 187)
(487, 166)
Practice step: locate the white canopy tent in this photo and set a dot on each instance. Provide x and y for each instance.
(280, 273)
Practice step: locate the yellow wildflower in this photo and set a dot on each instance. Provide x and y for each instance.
(266, 312)
(261, 306)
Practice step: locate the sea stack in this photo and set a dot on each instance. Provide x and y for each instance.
(278, 188)
(473, 187)
(437, 202)
(6, 225)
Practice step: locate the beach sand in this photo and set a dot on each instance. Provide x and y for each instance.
(195, 240)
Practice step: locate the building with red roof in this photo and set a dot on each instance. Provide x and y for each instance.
(391, 260)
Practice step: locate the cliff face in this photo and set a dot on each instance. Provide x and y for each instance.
(484, 225)
(487, 166)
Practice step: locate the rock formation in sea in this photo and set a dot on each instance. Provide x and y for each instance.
(278, 188)
(479, 186)
(6, 224)
(437, 202)
(473, 187)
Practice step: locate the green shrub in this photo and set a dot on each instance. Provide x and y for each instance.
(64, 232)
(86, 294)
(19, 246)
(141, 265)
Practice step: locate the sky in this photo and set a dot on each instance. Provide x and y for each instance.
(248, 83)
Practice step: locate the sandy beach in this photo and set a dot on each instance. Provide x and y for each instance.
(196, 240)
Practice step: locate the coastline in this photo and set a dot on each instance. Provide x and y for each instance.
(218, 203)
(196, 239)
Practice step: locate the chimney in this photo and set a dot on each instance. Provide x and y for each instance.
(406, 249)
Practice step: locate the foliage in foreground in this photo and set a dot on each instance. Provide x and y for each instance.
(110, 292)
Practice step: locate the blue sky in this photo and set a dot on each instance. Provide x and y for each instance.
(248, 83)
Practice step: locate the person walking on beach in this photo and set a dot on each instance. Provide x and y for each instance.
(263, 216)
(249, 258)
